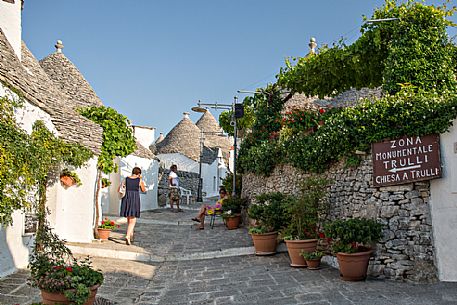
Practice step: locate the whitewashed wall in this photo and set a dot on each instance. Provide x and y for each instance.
(144, 135)
(14, 246)
(10, 23)
(72, 208)
(184, 163)
(212, 175)
(150, 172)
(443, 201)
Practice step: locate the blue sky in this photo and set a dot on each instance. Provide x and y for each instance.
(152, 60)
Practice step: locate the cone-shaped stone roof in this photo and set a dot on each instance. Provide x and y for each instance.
(213, 132)
(184, 138)
(29, 78)
(70, 80)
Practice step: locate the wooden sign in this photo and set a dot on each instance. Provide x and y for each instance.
(406, 160)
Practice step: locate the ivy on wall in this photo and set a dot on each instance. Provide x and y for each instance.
(28, 163)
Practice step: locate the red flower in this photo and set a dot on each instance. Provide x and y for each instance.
(103, 222)
(57, 267)
(321, 110)
(321, 235)
(69, 269)
(112, 223)
(118, 226)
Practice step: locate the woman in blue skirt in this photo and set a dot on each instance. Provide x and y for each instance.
(130, 206)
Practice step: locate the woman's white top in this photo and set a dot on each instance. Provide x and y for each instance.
(174, 179)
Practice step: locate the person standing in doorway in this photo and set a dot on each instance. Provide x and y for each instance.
(173, 188)
(130, 206)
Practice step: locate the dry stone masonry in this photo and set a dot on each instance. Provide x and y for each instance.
(406, 251)
(187, 180)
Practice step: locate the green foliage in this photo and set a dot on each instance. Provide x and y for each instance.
(310, 256)
(118, 139)
(353, 235)
(346, 130)
(227, 182)
(243, 124)
(28, 162)
(106, 182)
(414, 49)
(270, 211)
(304, 210)
(233, 206)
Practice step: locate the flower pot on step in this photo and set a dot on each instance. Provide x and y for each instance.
(295, 247)
(233, 222)
(353, 266)
(265, 244)
(313, 264)
(54, 298)
(103, 234)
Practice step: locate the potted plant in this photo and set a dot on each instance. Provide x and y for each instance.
(352, 240)
(231, 211)
(300, 234)
(61, 278)
(269, 217)
(105, 228)
(69, 178)
(313, 259)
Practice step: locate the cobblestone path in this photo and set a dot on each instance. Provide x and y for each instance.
(244, 280)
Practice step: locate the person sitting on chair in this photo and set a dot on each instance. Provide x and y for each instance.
(208, 209)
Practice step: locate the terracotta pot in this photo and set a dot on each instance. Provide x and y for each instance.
(54, 298)
(233, 222)
(353, 266)
(295, 247)
(313, 264)
(67, 181)
(103, 234)
(265, 244)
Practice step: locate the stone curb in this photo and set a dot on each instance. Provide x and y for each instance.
(123, 220)
(151, 258)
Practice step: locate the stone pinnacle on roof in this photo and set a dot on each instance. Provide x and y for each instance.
(312, 45)
(59, 46)
(184, 138)
(69, 79)
(160, 138)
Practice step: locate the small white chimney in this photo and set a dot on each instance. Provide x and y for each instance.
(312, 46)
(186, 115)
(10, 23)
(144, 134)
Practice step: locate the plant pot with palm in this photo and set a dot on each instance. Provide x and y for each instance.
(105, 228)
(269, 216)
(353, 240)
(301, 233)
(313, 259)
(61, 278)
(231, 211)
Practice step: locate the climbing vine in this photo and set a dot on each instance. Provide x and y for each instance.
(118, 139)
(413, 47)
(410, 56)
(29, 163)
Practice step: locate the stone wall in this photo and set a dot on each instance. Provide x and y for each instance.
(406, 251)
(187, 180)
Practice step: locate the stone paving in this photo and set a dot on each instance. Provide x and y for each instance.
(244, 280)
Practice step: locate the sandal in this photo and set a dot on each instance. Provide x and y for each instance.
(200, 228)
(196, 219)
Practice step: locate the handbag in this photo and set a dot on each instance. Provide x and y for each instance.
(122, 190)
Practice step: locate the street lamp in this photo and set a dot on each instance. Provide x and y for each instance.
(199, 108)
